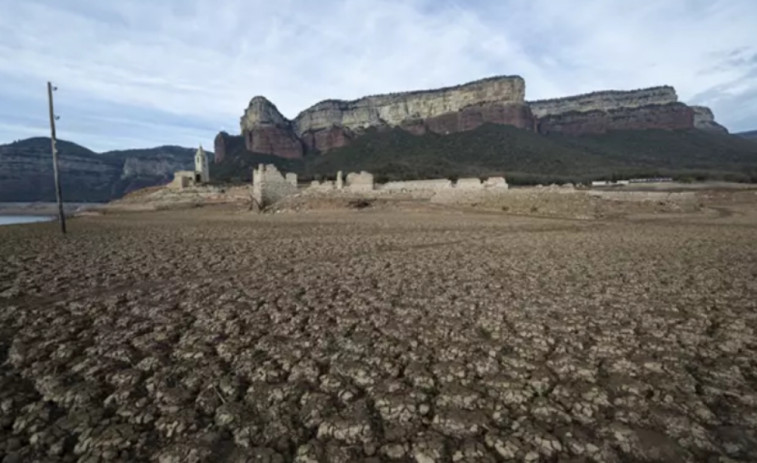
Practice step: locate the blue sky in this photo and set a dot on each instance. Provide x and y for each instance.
(139, 73)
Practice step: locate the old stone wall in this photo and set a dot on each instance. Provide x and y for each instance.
(182, 179)
(269, 186)
(415, 185)
(362, 181)
(469, 184)
(496, 182)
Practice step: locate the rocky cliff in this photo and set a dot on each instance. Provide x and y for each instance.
(499, 100)
(394, 109)
(599, 112)
(334, 123)
(705, 120)
(604, 101)
(26, 171)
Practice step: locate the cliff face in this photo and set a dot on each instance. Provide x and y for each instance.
(394, 109)
(604, 101)
(598, 112)
(499, 100)
(266, 130)
(333, 123)
(667, 116)
(705, 120)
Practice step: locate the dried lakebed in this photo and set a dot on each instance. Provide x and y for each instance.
(204, 335)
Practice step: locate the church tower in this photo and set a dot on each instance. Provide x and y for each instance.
(202, 174)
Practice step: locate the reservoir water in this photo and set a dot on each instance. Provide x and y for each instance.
(15, 219)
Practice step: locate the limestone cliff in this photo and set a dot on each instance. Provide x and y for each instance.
(598, 112)
(669, 116)
(266, 130)
(499, 100)
(396, 108)
(705, 120)
(333, 123)
(604, 101)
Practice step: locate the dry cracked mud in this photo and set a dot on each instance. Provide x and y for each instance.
(205, 335)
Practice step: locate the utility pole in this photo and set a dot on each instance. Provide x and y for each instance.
(58, 195)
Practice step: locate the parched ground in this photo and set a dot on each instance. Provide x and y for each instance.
(380, 335)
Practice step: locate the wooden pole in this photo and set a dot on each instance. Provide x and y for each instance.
(58, 195)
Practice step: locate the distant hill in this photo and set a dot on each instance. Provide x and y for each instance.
(751, 135)
(524, 156)
(26, 171)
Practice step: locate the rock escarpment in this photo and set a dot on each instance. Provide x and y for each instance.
(266, 130)
(334, 123)
(598, 112)
(705, 120)
(396, 109)
(499, 100)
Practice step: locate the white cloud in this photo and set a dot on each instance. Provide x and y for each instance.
(201, 61)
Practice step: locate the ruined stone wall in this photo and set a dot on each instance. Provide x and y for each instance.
(269, 186)
(182, 179)
(496, 182)
(416, 185)
(362, 181)
(469, 184)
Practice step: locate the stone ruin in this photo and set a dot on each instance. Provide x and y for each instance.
(269, 186)
(190, 178)
(362, 181)
(445, 184)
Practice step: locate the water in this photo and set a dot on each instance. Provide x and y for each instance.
(15, 219)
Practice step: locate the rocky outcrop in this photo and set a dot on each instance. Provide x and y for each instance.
(266, 130)
(604, 101)
(327, 139)
(667, 116)
(498, 100)
(396, 108)
(598, 112)
(219, 147)
(705, 120)
(334, 123)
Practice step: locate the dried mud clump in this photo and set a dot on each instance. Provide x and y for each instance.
(379, 336)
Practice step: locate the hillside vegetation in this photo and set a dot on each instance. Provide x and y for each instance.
(523, 157)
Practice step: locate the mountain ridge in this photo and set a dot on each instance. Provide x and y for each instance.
(333, 123)
(26, 173)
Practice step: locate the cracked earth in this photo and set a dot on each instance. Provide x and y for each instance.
(378, 336)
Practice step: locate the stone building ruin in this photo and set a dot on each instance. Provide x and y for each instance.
(269, 186)
(191, 178)
(202, 173)
(362, 181)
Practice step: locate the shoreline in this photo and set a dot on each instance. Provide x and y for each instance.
(44, 209)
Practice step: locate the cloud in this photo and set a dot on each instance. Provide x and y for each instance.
(140, 72)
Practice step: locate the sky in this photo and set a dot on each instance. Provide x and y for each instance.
(142, 73)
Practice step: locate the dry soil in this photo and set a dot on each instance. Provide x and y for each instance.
(432, 336)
